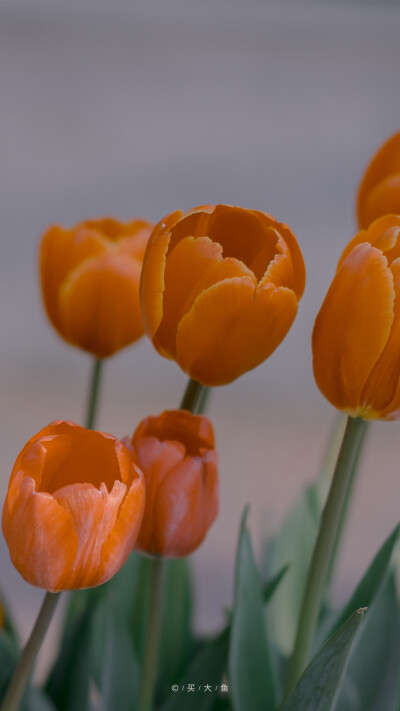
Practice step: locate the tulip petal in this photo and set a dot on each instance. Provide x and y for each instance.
(194, 431)
(231, 328)
(192, 266)
(152, 281)
(99, 306)
(61, 251)
(385, 163)
(353, 326)
(40, 536)
(93, 513)
(186, 505)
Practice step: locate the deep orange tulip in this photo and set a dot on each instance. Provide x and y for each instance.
(176, 453)
(219, 289)
(73, 509)
(356, 339)
(379, 192)
(90, 282)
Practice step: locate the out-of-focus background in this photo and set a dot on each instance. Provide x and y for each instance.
(117, 108)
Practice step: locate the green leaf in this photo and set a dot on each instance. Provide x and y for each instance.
(292, 547)
(269, 588)
(117, 673)
(176, 638)
(36, 700)
(368, 586)
(373, 674)
(68, 683)
(207, 668)
(319, 685)
(8, 659)
(251, 676)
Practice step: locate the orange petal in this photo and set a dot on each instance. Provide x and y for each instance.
(152, 280)
(194, 431)
(60, 251)
(99, 305)
(192, 266)
(383, 199)
(353, 326)
(186, 505)
(231, 328)
(40, 537)
(382, 385)
(385, 163)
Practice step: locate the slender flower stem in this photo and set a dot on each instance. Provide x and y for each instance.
(93, 393)
(193, 396)
(324, 546)
(23, 670)
(153, 633)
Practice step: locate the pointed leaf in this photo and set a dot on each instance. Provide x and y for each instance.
(319, 685)
(251, 676)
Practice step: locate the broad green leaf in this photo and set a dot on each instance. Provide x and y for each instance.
(176, 638)
(206, 669)
(36, 700)
(251, 676)
(117, 674)
(373, 674)
(368, 586)
(319, 685)
(8, 659)
(269, 588)
(68, 683)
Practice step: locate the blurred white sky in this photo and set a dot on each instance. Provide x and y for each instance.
(141, 108)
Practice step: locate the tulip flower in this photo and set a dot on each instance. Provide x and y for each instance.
(356, 338)
(73, 509)
(90, 278)
(176, 453)
(219, 289)
(379, 192)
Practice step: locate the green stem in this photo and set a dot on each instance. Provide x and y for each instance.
(23, 670)
(193, 396)
(153, 632)
(324, 546)
(93, 393)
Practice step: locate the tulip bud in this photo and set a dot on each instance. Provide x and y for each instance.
(219, 289)
(356, 338)
(379, 192)
(176, 453)
(90, 283)
(73, 509)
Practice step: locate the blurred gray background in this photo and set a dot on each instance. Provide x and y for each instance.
(118, 108)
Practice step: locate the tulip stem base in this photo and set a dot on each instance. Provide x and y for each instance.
(149, 669)
(24, 667)
(323, 550)
(94, 389)
(195, 397)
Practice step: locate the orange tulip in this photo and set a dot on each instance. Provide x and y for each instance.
(176, 453)
(90, 282)
(219, 289)
(379, 192)
(356, 338)
(73, 509)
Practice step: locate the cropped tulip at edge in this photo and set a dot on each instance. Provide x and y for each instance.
(379, 192)
(90, 277)
(73, 509)
(356, 338)
(177, 455)
(219, 289)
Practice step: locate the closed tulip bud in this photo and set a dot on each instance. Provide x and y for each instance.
(90, 278)
(176, 453)
(73, 509)
(219, 290)
(379, 192)
(356, 338)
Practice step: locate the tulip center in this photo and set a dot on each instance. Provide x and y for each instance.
(77, 457)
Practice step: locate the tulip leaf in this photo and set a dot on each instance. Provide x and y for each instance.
(319, 685)
(117, 675)
(204, 675)
(8, 659)
(368, 586)
(176, 638)
(250, 670)
(372, 677)
(69, 679)
(36, 700)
